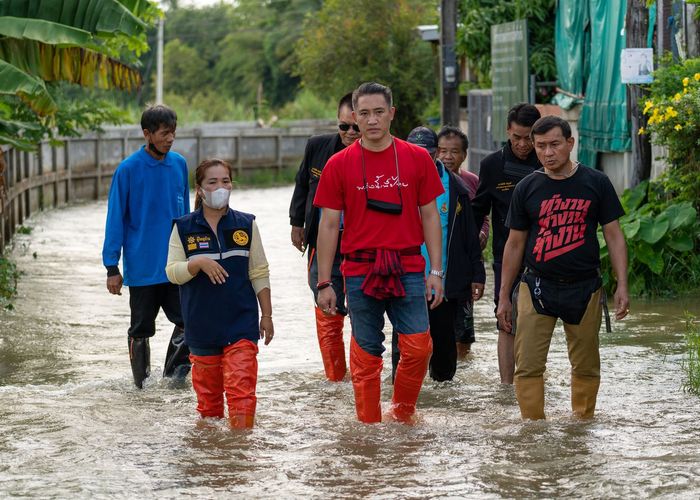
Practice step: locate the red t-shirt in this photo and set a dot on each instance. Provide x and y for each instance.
(341, 188)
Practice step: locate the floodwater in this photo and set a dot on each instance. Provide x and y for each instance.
(74, 426)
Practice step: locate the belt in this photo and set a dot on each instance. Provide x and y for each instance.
(572, 279)
(371, 254)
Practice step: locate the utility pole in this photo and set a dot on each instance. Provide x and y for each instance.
(449, 81)
(159, 64)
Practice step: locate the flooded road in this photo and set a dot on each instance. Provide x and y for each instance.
(73, 425)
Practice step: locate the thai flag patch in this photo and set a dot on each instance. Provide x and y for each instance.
(204, 244)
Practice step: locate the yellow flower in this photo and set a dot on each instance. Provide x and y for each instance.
(686, 81)
(696, 76)
(677, 97)
(678, 127)
(685, 91)
(641, 131)
(647, 106)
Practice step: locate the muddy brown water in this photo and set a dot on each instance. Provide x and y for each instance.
(73, 425)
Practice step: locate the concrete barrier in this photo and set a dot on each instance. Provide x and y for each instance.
(81, 168)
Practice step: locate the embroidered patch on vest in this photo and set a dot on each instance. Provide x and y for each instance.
(240, 237)
(199, 241)
(315, 172)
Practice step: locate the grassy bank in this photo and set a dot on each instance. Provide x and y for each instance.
(8, 282)
(691, 362)
(261, 178)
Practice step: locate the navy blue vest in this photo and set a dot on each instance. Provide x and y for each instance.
(219, 315)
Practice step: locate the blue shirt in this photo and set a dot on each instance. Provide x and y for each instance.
(443, 208)
(145, 197)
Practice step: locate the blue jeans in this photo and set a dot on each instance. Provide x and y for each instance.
(336, 277)
(407, 314)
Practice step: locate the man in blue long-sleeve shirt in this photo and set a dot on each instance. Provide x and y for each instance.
(149, 190)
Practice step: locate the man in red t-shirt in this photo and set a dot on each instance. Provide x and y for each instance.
(386, 190)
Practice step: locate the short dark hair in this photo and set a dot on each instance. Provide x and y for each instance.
(547, 123)
(449, 131)
(369, 88)
(155, 116)
(346, 100)
(523, 114)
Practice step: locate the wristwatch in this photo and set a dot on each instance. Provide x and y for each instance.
(440, 274)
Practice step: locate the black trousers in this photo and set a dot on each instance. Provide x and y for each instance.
(145, 303)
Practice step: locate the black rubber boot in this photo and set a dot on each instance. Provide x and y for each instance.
(177, 359)
(140, 357)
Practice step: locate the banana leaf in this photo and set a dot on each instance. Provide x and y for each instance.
(101, 17)
(73, 64)
(30, 89)
(43, 31)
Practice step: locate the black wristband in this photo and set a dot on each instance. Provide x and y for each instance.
(112, 271)
(323, 284)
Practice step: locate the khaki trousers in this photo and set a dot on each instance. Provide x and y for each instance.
(534, 335)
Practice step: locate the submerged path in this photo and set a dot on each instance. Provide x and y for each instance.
(73, 424)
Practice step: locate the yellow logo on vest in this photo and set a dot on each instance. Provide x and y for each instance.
(240, 238)
(191, 245)
(443, 208)
(459, 207)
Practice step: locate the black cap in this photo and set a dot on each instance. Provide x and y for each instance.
(424, 137)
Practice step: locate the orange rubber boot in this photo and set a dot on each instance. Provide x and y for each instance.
(366, 370)
(329, 330)
(415, 355)
(208, 383)
(240, 378)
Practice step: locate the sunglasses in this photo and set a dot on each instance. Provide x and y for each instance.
(346, 126)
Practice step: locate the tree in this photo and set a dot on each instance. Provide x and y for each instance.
(85, 43)
(348, 43)
(474, 34)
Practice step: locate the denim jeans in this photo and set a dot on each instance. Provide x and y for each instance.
(336, 277)
(407, 314)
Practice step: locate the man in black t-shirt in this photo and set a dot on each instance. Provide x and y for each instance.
(553, 220)
(499, 173)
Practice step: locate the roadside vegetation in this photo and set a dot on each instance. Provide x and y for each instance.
(691, 361)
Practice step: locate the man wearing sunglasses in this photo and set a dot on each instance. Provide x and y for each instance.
(304, 218)
(386, 190)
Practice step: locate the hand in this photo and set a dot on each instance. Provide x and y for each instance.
(326, 300)
(483, 239)
(114, 284)
(298, 238)
(622, 303)
(267, 329)
(504, 315)
(477, 291)
(211, 268)
(434, 291)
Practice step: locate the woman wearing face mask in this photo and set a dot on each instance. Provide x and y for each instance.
(217, 258)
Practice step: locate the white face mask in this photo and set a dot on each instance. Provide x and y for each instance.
(216, 199)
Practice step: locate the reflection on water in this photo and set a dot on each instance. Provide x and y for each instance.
(73, 425)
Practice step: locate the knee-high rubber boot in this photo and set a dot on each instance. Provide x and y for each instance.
(140, 357)
(415, 354)
(208, 383)
(530, 394)
(366, 371)
(584, 391)
(329, 330)
(177, 361)
(240, 378)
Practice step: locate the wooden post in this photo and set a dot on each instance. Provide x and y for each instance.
(637, 21)
(239, 155)
(98, 166)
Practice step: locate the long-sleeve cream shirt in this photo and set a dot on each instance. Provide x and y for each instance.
(258, 269)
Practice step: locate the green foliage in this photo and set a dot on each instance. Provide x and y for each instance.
(8, 282)
(347, 43)
(674, 122)
(207, 107)
(474, 34)
(691, 361)
(308, 105)
(242, 51)
(266, 177)
(661, 240)
(44, 44)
